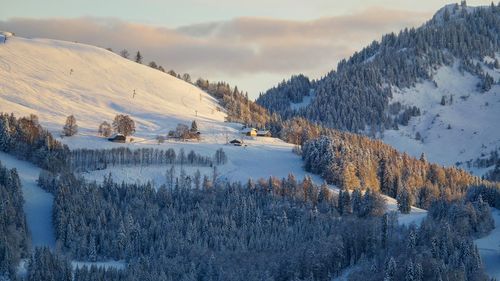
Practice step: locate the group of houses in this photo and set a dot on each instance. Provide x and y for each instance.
(250, 132)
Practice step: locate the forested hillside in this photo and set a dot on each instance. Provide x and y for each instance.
(356, 96)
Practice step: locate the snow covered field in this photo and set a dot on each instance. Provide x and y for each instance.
(468, 125)
(37, 202)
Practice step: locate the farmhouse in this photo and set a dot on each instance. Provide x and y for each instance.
(252, 132)
(118, 138)
(236, 142)
(264, 133)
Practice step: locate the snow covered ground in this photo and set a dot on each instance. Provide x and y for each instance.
(54, 79)
(37, 202)
(459, 131)
(489, 248)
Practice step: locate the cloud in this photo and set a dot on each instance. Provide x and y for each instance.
(232, 50)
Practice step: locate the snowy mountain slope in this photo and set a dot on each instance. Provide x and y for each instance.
(463, 129)
(54, 79)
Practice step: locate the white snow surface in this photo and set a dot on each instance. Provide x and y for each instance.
(473, 118)
(306, 100)
(489, 248)
(37, 202)
(54, 79)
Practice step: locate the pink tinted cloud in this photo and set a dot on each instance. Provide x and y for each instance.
(242, 46)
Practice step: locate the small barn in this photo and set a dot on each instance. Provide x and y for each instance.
(236, 142)
(118, 138)
(264, 133)
(252, 132)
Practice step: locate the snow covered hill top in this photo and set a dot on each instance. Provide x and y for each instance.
(453, 11)
(54, 79)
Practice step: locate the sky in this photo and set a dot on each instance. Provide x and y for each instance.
(253, 44)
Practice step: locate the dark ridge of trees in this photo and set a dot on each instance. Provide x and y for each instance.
(14, 236)
(27, 140)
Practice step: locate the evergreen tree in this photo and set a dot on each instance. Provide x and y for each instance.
(404, 201)
(194, 126)
(138, 57)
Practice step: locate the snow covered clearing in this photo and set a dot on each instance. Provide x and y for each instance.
(37, 202)
(489, 248)
(306, 100)
(468, 125)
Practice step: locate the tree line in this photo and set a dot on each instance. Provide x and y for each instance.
(98, 159)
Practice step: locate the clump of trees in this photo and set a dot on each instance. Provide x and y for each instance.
(26, 139)
(123, 124)
(183, 132)
(45, 265)
(70, 127)
(105, 129)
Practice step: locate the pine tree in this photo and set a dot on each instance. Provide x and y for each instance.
(404, 201)
(70, 128)
(390, 270)
(194, 126)
(138, 57)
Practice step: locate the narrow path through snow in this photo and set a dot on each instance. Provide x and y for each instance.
(37, 202)
(489, 248)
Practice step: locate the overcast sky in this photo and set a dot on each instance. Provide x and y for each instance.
(254, 44)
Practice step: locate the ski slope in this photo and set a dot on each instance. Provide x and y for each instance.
(462, 130)
(37, 202)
